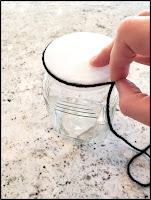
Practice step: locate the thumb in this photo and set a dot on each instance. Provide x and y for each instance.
(133, 103)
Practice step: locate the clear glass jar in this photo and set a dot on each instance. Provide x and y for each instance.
(71, 87)
(79, 114)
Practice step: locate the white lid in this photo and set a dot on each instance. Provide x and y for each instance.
(67, 59)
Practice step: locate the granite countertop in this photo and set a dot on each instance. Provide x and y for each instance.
(37, 163)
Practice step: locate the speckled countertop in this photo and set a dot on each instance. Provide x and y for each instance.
(36, 163)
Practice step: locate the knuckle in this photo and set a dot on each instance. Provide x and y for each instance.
(125, 25)
(127, 21)
(144, 12)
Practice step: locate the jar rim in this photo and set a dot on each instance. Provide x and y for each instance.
(77, 85)
(66, 59)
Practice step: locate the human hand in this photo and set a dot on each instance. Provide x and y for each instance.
(132, 43)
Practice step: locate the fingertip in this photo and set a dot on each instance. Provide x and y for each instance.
(94, 62)
(91, 60)
(126, 85)
(99, 61)
(103, 57)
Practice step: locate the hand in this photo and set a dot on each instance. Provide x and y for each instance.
(132, 43)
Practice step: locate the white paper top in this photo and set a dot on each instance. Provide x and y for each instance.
(68, 58)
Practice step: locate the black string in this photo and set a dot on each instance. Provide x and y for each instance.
(142, 151)
(70, 83)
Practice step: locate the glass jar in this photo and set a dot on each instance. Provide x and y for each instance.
(77, 109)
(77, 114)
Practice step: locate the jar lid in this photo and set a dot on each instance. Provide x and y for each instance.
(66, 59)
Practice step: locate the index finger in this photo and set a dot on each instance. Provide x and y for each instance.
(133, 37)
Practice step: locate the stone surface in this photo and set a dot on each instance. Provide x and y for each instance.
(37, 163)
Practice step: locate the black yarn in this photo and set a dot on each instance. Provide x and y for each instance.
(142, 151)
(69, 83)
